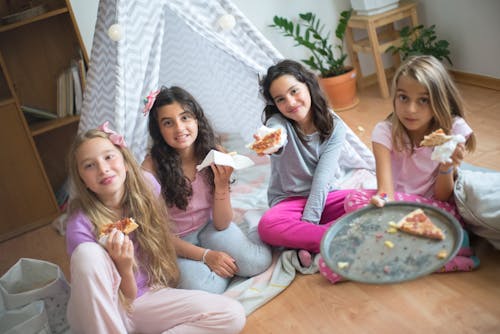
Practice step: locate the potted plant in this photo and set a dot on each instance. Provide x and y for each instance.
(420, 40)
(337, 79)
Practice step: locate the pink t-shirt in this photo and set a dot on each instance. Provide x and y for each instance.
(198, 211)
(414, 173)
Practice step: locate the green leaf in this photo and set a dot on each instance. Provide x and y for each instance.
(306, 16)
(421, 40)
(309, 33)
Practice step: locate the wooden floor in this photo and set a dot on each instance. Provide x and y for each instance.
(439, 303)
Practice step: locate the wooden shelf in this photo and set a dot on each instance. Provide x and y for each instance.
(45, 126)
(40, 17)
(34, 50)
(7, 101)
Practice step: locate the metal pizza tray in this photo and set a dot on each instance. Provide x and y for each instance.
(359, 240)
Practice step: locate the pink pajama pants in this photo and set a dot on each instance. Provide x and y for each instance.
(360, 198)
(94, 306)
(282, 225)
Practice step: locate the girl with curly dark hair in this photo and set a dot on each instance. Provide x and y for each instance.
(211, 248)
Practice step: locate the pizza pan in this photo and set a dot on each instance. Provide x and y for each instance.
(357, 246)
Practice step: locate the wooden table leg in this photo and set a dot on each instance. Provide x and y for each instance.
(382, 80)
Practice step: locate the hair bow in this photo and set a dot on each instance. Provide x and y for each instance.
(149, 101)
(115, 138)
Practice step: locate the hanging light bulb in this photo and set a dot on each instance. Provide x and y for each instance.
(115, 32)
(226, 22)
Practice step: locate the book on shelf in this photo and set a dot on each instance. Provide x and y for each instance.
(70, 87)
(38, 113)
(77, 87)
(62, 92)
(82, 71)
(24, 14)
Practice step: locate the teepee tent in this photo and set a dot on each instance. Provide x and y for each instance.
(192, 44)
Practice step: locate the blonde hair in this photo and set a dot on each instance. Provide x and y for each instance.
(445, 99)
(154, 233)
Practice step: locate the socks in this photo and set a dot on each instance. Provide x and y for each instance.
(328, 273)
(460, 263)
(305, 258)
(465, 260)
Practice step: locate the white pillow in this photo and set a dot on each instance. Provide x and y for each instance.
(477, 195)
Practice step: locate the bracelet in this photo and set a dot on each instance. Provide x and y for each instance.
(205, 255)
(446, 171)
(383, 197)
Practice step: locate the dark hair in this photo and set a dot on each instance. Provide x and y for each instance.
(321, 116)
(176, 187)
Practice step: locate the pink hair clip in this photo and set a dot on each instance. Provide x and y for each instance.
(149, 101)
(115, 138)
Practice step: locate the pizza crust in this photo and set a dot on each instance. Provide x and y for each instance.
(126, 225)
(436, 138)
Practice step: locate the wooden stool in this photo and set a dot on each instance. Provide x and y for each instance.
(378, 42)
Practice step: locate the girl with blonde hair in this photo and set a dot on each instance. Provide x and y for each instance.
(128, 285)
(425, 99)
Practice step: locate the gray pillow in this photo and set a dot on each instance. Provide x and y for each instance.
(477, 195)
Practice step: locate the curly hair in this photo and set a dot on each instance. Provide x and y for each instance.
(176, 187)
(154, 235)
(321, 116)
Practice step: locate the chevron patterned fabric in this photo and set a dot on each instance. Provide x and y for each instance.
(174, 42)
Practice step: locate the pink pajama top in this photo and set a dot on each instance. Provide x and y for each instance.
(414, 173)
(198, 211)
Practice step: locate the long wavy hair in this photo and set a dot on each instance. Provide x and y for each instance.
(157, 255)
(322, 118)
(445, 99)
(176, 187)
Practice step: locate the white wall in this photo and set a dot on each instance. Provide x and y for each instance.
(86, 14)
(471, 27)
(261, 13)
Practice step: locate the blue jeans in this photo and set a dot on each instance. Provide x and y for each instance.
(251, 254)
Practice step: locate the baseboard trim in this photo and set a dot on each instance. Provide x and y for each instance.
(476, 80)
(460, 77)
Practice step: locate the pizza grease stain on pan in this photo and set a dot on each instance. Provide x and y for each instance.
(374, 255)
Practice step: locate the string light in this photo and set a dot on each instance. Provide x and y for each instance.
(115, 32)
(226, 22)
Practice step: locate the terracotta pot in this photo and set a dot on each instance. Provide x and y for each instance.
(341, 90)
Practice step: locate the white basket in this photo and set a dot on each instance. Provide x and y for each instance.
(372, 7)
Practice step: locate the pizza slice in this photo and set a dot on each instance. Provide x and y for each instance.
(266, 142)
(436, 138)
(126, 225)
(418, 223)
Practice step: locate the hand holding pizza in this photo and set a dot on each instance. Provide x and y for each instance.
(222, 175)
(445, 147)
(121, 250)
(458, 155)
(268, 140)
